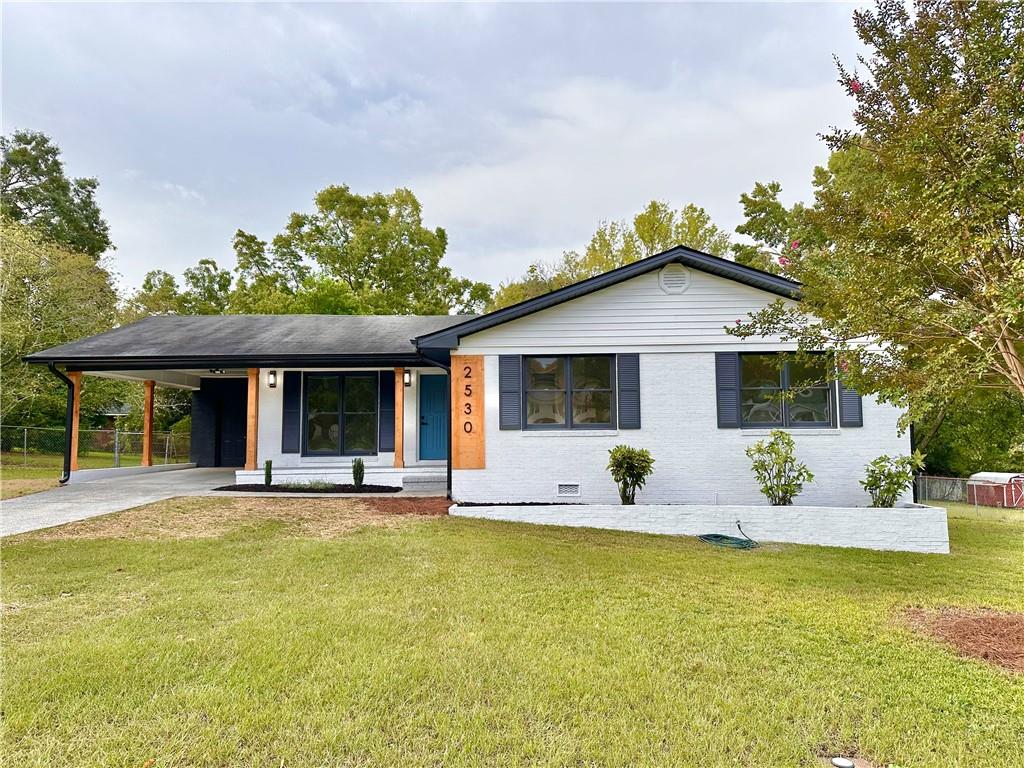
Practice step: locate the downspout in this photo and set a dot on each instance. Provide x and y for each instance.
(448, 415)
(68, 416)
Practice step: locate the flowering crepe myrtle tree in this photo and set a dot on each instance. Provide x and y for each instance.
(914, 240)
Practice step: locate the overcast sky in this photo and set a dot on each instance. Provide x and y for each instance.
(519, 127)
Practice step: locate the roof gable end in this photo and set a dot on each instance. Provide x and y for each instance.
(704, 262)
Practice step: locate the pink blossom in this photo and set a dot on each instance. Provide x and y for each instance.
(794, 245)
(855, 86)
(844, 365)
(739, 322)
(784, 262)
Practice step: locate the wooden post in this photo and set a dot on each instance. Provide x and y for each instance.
(76, 378)
(252, 418)
(149, 387)
(467, 412)
(399, 417)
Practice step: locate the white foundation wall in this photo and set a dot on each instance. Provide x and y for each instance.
(695, 461)
(905, 529)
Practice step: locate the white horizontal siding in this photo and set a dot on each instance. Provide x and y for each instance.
(634, 316)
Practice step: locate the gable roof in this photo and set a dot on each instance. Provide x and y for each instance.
(704, 262)
(175, 340)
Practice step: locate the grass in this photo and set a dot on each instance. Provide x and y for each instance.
(43, 470)
(446, 641)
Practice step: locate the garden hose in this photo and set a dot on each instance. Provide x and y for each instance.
(731, 542)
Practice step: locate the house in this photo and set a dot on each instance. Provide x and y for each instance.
(521, 404)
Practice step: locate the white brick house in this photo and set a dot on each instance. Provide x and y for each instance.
(521, 404)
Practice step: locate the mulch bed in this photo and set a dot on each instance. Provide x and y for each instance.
(993, 636)
(334, 488)
(408, 505)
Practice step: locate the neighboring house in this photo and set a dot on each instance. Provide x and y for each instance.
(539, 391)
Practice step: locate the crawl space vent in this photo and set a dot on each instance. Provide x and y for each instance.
(674, 278)
(568, 489)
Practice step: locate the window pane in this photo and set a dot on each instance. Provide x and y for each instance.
(322, 432)
(545, 408)
(591, 373)
(761, 407)
(591, 407)
(360, 394)
(760, 371)
(360, 433)
(804, 374)
(809, 406)
(545, 373)
(322, 394)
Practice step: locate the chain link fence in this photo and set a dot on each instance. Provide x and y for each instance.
(932, 488)
(97, 448)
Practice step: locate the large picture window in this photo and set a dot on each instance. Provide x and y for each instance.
(791, 393)
(569, 392)
(340, 414)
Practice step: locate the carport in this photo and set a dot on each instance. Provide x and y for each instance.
(305, 392)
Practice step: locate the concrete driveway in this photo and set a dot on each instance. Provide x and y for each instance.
(81, 500)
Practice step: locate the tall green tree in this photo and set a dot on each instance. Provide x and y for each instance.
(375, 244)
(919, 210)
(775, 231)
(35, 190)
(656, 228)
(50, 295)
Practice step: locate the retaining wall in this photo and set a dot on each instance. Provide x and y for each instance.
(912, 528)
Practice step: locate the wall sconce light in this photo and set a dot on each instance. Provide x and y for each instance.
(271, 379)
(407, 377)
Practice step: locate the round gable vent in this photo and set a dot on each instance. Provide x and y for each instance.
(674, 278)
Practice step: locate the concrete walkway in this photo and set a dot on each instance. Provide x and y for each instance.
(81, 500)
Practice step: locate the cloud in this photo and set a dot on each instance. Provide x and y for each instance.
(518, 126)
(598, 149)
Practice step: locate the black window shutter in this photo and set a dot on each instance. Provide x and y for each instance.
(291, 421)
(851, 413)
(629, 391)
(510, 397)
(386, 435)
(727, 385)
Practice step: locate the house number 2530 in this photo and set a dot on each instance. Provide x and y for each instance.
(467, 390)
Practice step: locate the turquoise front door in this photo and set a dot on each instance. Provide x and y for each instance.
(433, 418)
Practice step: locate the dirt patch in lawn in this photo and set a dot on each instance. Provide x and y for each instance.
(12, 489)
(204, 517)
(993, 636)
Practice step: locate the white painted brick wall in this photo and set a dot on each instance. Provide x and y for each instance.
(910, 529)
(695, 461)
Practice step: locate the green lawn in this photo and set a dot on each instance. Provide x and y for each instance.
(43, 470)
(456, 642)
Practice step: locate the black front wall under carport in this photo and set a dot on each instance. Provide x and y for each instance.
(218, 423)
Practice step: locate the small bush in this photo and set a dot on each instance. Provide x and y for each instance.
(310, 485)
(779, 474)
(358, 471)
(630, 468)
(887, 478)
(268, 472)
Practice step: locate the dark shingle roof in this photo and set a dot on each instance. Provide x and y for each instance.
(254, 339)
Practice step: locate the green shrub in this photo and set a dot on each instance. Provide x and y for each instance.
(310, 485)
(886, 478)
(268, 472)
(630, 468)
(358, 471)
(779, 474)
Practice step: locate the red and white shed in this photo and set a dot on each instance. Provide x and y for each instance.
(996, 489)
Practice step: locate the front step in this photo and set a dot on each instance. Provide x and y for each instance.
(425, 483)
